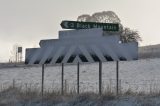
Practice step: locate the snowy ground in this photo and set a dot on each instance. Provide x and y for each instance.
(139, 75)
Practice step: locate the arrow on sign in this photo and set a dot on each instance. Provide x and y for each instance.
(64, 24)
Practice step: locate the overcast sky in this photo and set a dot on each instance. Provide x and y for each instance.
(25, 22)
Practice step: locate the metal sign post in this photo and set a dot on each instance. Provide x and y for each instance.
(117, 77)
(62, 78)
(42, 88)
(100, 77)
(78, 77)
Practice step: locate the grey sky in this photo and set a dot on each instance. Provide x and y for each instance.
(25, 22)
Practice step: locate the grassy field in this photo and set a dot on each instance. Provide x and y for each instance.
(15, 96)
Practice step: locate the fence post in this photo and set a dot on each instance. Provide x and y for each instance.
(66, 87)
(100, 77)
(117, 77)
(13, 85)
(78, 77)
(120, 86)
(62, 79)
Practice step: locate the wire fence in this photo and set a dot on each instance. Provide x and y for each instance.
(136, 76)
(109, 85)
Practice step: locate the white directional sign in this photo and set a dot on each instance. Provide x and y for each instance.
(85, 45)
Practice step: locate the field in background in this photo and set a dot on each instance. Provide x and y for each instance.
(151, 51)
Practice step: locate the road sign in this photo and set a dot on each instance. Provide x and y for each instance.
(88, 25)
(19, 49)
(86, 48)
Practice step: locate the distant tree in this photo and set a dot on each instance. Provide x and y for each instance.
(106, 17)
(126, 34)
(84, 18)
(103, 17)
(129, 35)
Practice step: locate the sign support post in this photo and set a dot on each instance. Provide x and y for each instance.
(42, 88)
(100, 77)
(78, 77)
(62, 79)
(117, 78)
